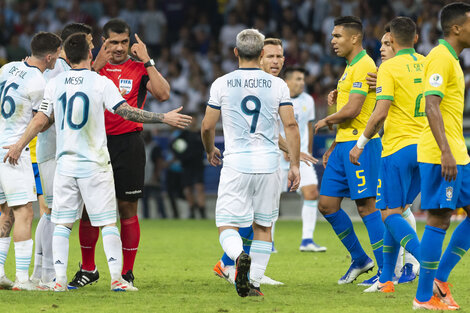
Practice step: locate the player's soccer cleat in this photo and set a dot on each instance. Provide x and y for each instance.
(355, 270)
(225, 272)
(372, 280)
(129, 277)
(242, 282)
(269, 281)
(308, 245)
(255, 292)
(434, 304)
(407, 274)
(5, 283)
(122, 285)
(60, 286)
(379, 287)
(83, 278)
(25, 285)
(442, 291)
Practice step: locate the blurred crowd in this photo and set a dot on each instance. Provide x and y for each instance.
(192, 40)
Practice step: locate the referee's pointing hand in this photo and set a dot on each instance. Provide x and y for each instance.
(173, 118)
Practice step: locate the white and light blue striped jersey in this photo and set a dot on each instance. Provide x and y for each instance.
(78, 98)
(249, 101)
(21, 92)
(45, 148)
(304, 112)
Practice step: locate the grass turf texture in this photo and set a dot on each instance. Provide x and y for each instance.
(174, 274)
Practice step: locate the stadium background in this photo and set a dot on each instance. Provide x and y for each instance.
(192, 42)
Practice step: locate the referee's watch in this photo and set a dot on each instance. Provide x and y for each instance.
(149, 63)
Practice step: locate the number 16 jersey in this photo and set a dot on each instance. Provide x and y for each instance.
(249, 100)
(78, 99)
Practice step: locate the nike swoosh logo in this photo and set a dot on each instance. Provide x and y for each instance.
(440, 292)
(361, 191)
(377, 200)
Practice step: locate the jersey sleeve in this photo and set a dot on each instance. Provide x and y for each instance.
(437, 76)
(47, 106)
(285, 95)
(112, 98)
(385, 84)
(36, 92)
(214, 96)
(359, 82)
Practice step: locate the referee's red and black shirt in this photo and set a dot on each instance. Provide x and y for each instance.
(131, 76)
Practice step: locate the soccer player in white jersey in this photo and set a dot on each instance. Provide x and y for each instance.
(304, 112)
(250, 102)
(77, 99)
(21, 91)
(44, 274)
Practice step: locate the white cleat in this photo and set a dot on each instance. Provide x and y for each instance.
(312, 247)
(24, 285)
(60, 286)
(269, 281)
(373, 288)
(5, 283)
(122, 285)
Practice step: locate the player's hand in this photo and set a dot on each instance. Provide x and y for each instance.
(214, 157)
(321, 124)
(448, 166)
(293, 178)
(332, 97)
(355, 154)
(13, 154)
(103, 57)
(371, 80)
(139, 49)
(307, 158)
(326, 156)
(173, 118)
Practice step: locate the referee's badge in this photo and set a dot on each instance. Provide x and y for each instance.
(125, 84)
(449, 193)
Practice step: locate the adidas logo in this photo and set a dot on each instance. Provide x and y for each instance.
(111, 259)
(58, 262)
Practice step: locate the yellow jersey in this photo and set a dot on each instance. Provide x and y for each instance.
(443, 77)
(400, 80)
(354, 81)
(32, 149)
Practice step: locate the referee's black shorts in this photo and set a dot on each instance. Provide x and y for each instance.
(127, 153)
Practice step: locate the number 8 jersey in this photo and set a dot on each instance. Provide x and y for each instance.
(78, 99)
(21, 91)
(249, 101)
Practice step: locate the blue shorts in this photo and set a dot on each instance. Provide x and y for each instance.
(436, 193)
(344, 179)
(37, 178)
(399, 180)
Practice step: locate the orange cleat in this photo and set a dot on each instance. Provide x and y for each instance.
(433, 304)
(442, 291)
(225, 272)
(386, 287)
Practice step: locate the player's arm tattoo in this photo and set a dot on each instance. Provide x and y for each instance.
(7, 225)
(138, 115)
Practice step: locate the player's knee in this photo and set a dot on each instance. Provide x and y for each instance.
(310, 193)
(439, 218)
(325, 208)
(127, 209)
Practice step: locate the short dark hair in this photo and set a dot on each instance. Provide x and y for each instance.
(387, 28)
(76, 48)
(403, 30)
(352, 22)
(116, 25)
(453, 14)
(291, 69)
(44, 43)
(273, 41)
(74, 28)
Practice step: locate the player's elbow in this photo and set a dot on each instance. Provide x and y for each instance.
(354, 112)
(291, 127)
(163, 95)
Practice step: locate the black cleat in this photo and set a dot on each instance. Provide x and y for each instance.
(83, 278)
(255, 292)
(242, 282)
(129, 277)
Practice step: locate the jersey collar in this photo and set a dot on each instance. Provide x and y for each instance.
(448, 46)
(26, 63)
(357, 58)
(406, 51)
(249, 68)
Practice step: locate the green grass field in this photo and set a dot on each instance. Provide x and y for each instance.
(174, 274)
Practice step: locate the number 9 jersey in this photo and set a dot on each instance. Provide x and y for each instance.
(78, 99)
(249, 100)
(21, 91)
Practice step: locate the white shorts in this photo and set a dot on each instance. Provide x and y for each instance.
(17, 184)
(47, 172)
(246, 198)
(308, 177)
(96, 192)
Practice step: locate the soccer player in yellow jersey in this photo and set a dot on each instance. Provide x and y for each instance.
(399, 106)
(444, 161)
(355, 103)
